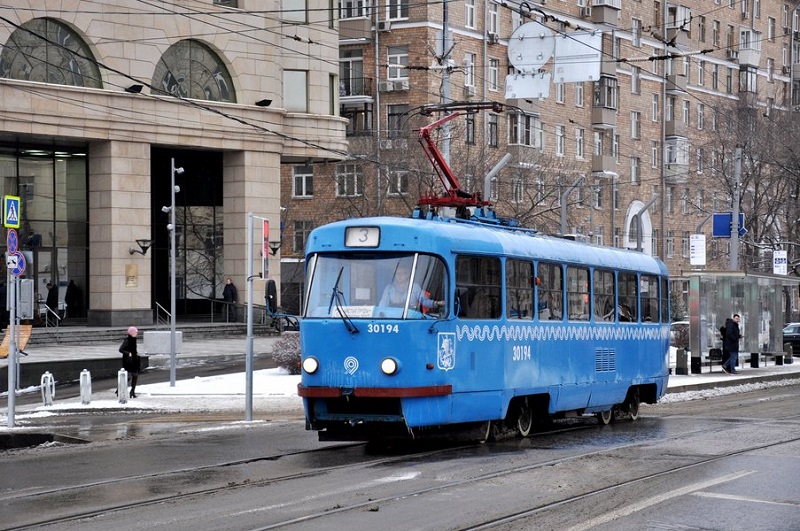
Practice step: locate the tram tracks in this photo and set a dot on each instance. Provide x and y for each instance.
(319, 516)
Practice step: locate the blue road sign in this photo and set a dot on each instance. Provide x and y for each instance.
(721, 227)
(11, 211)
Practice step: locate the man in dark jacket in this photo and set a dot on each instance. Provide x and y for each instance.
(231, 297)
(731, 343)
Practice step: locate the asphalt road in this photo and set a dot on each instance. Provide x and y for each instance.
(724, 463)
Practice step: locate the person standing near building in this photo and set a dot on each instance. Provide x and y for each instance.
(130, 358)
(231, 297)
(731, 343)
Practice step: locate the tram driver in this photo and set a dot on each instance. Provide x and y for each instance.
(395, 293)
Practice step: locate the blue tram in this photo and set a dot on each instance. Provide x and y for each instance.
(416, 327)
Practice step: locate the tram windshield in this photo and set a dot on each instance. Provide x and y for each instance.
(376, 285)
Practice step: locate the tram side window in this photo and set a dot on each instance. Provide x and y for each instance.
(550, 292)
(650, 306)
(478, 287)
(578, 293)
(628, 300)
(604, 296)
(665, 318)
(519, 291)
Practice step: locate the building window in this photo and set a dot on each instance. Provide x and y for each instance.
(396, 9)
(470, 128)
(635, 80)
(493, 17)
(397, 62)
(354, 9)
(748, 79)
(615, 147)
(715, 77)
(301, 231)
(397, 121)
(605, 92)
(303, 181)
(349, 182)
(579, 94)
(469, 13)
(635, 128)
(715, 30)
(295, 90)
(559, 92)
(294, 11)
(701, 27)
(771, 29)
(685, 201)
(579, 141)
(560, 133)
(686, 117)
(635, 170)
(469, 70)
(670, 244)
(654, 147)
(494, 70)
(493, 133)
(398, 182)
(701, 115)
(636, 32)
(701, 73)
(524, 129)
(518, 189)
(654, 107)
(700, 160)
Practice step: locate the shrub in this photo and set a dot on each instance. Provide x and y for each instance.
(286, 353)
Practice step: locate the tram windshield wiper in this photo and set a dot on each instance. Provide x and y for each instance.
(337, 297)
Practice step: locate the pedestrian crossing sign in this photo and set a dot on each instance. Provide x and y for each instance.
(11, 211)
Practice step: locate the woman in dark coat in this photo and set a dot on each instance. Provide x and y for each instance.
(130, 357)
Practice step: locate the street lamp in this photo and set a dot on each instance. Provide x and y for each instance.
(172, 267)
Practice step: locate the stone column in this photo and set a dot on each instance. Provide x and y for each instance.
(251, 183)
(119, 214)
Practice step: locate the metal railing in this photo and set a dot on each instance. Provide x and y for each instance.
(165, 321)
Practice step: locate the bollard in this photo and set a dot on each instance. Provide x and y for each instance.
(122, 386)
(86, 387)
(681, 363)
(48, 388)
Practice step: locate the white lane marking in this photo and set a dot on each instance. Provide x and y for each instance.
(745, 499)
(644, 504)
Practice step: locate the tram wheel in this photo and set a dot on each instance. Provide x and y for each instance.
(605, 417)
(632, 405)
(524, 419)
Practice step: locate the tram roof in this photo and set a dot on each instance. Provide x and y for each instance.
(447, 235)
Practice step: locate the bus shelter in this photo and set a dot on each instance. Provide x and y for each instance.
(764, 304)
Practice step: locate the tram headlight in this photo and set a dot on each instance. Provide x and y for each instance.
(310, 365)
(389, 366)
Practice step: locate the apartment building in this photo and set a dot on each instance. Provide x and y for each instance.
(107, 107)
(640, 158)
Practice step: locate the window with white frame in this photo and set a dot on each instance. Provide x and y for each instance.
(636, 32)
(560, 134)
(700, 160)
(354, 9)
(770, 29)
(685, 244)
(699, 200)
(748, 79)
(635, 170)
(302, 229)
(469, 13)
(654, 147)
(349, 182)
(396, 9)
(701, 115)
(524, 129)
(539, 188)
(397, 60)
(635, 124)
(469, 69)
(559, 92)
(686, 116)
(654, 107)
(685, 201)
(303, 180)
(598, 143)
(670, 244)
(398, 182)
(669, 199)
(494, 73)
(493, 17)
(615, 147)
(635, 80)
(701, 73)
(715, 77)
(770, 69)
(606, 91)
(493, 189)
(598, 195)
(579, 143)
(470, 128)
(518, 189)
(579, 94)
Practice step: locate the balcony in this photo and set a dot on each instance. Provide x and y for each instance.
(675, 128)
(749, 56)
(354, 92)
(606, 11)
(603, 164)
(355, 28)
(604, 118)
(676, 83)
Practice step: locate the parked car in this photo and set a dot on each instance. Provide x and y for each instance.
(791, 335)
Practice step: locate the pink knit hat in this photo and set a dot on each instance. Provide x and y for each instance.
(132, 331)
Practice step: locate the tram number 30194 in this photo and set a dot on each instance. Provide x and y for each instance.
(521, 353)
(375, 328)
